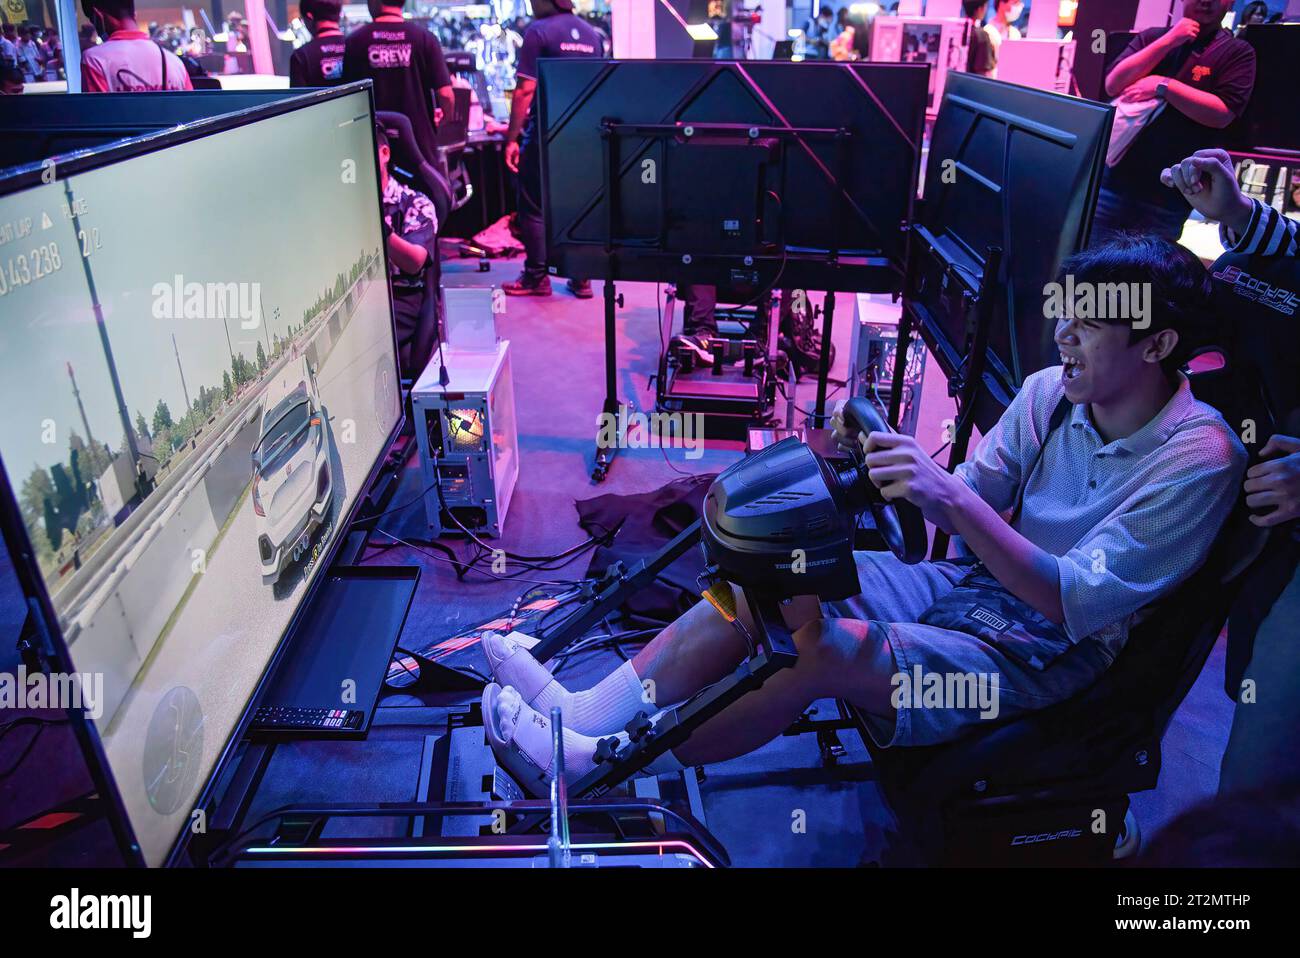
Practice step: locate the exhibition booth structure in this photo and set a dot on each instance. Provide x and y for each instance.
(205, 427)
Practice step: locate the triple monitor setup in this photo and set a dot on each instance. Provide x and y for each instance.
(223, 403)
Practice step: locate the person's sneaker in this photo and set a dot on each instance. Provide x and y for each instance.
(699, 345)
(527, 285)
(580, 288)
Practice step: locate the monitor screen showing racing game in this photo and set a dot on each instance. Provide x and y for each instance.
(192, 404)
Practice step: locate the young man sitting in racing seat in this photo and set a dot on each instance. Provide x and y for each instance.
(1116, 505)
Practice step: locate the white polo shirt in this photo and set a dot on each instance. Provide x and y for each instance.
(1127, 520)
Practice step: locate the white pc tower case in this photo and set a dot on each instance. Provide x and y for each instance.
(873, 345)
(469, 445)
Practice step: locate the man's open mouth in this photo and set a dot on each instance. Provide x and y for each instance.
(1072, 367)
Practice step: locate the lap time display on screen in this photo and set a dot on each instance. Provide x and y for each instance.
(197, 373)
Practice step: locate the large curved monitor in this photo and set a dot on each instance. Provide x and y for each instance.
(198, 376)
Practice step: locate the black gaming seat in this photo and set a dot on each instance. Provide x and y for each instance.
(453, 138)
(410, 165)
(1053, 787)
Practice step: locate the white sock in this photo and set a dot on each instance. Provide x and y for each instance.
(602, 710)
(520, 737)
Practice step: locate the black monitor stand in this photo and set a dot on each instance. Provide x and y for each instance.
(336, 656)
(336, 659)
(977, 301)
(611, 131)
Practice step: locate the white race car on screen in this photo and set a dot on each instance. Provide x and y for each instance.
(291, 469)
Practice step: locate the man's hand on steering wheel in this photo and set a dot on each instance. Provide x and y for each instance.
(1274, 484)
(901, 469)
(901, 522)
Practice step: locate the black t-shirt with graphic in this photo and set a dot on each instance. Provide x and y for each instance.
(406, 64)
(560, 35)
(1215, 62)
(318, 62)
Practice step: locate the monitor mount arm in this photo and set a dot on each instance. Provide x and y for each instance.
(610, 132)
(978, 304)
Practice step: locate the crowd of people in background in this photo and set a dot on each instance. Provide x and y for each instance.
(30, 53)
(844, 34)
(461, 32)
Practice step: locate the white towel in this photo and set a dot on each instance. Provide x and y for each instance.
(1130, 117)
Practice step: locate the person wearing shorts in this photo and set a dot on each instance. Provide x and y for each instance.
(1116, 480)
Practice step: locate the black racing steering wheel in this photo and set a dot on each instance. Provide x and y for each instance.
(900, 523)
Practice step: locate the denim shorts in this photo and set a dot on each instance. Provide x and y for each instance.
(949, 682)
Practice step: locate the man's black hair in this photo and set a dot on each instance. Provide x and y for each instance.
(972, 7)
(118, 9)
(1180, 289)
(1255, 6)
(323, 11)
(381, 137)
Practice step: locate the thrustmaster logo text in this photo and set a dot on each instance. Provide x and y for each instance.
(76, 911)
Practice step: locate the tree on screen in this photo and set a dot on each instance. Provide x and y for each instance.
(162, 417)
